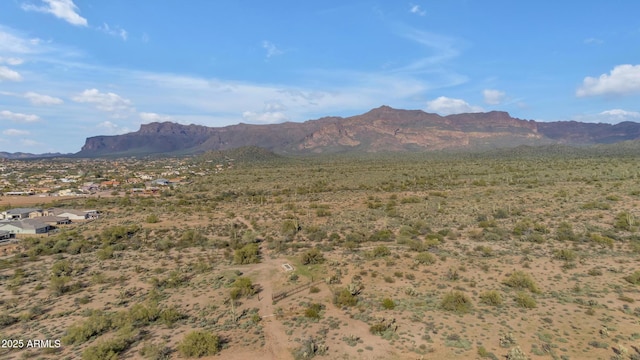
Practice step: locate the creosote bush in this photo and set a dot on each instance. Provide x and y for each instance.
(199, 343)
(425, 258)
(344, 297)
(491, 297)
(456, 301)
(388, 304)
(525, 300)
(521, 281)
(634, 278)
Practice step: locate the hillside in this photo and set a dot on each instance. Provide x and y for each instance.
(381, 129)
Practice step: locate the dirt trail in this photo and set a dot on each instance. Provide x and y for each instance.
(277, 346)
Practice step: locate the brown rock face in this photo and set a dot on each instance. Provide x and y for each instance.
(381, 129)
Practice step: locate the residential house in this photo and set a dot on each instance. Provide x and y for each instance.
(25, 226)
(20, 213)
(5, 236)
(70, 214)
(53, 220)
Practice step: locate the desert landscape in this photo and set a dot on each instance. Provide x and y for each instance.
(517, 254)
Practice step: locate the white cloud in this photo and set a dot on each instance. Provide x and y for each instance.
(416, 9)
(12, 42)
(619, 115)
(15, 132)
(62, 9)
(447, 106)
(493, 97)
(107, 102)
(39, 99)
(266, 117)
(153, 117)
(7, 74)
(18, 117)
(272, 49)
(612, 116)
(117, 31)
(622, 80)
(11, 61)
(112, 128)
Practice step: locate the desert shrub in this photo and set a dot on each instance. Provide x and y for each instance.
(425, 258)
(152, 351)
(61, 268)
(388, 304)
(527, 227)
(565, 255)
(491, 297)
(141, 314)
(322, 212)
(313, 311)
(381, 251)
(242, 287)
(170, 315)
(501, 214)
(199, 343)
(595, 205)
(105, 253)
(378, 328)
(248, 254)
(344, 297)
(384, 235)
(565, 232)
(634, 278)
(59, 285)
(289, 228)
(601, 239)
(410, 200)
(521, 280)
(113, 234)
(534, 238)
(312, 256)
(106, 350)
(7, 320)
(594, 272)
(485, 251)
(456, 301)
(96, 324)
(625, 221)
(152, 219)
(524, 300)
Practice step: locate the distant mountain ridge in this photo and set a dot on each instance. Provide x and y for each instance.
(381, 129)
(22, 155)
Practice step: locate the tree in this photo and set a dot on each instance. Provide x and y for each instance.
(248, 254)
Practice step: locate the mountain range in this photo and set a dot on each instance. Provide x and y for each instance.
(383, 129)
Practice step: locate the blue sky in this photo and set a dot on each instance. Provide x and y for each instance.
(70, 69)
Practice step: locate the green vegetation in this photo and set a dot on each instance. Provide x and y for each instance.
(491, 297)
(199, 343)
(248, 254)
(457, 302)
(403, 242)
(521, 281)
